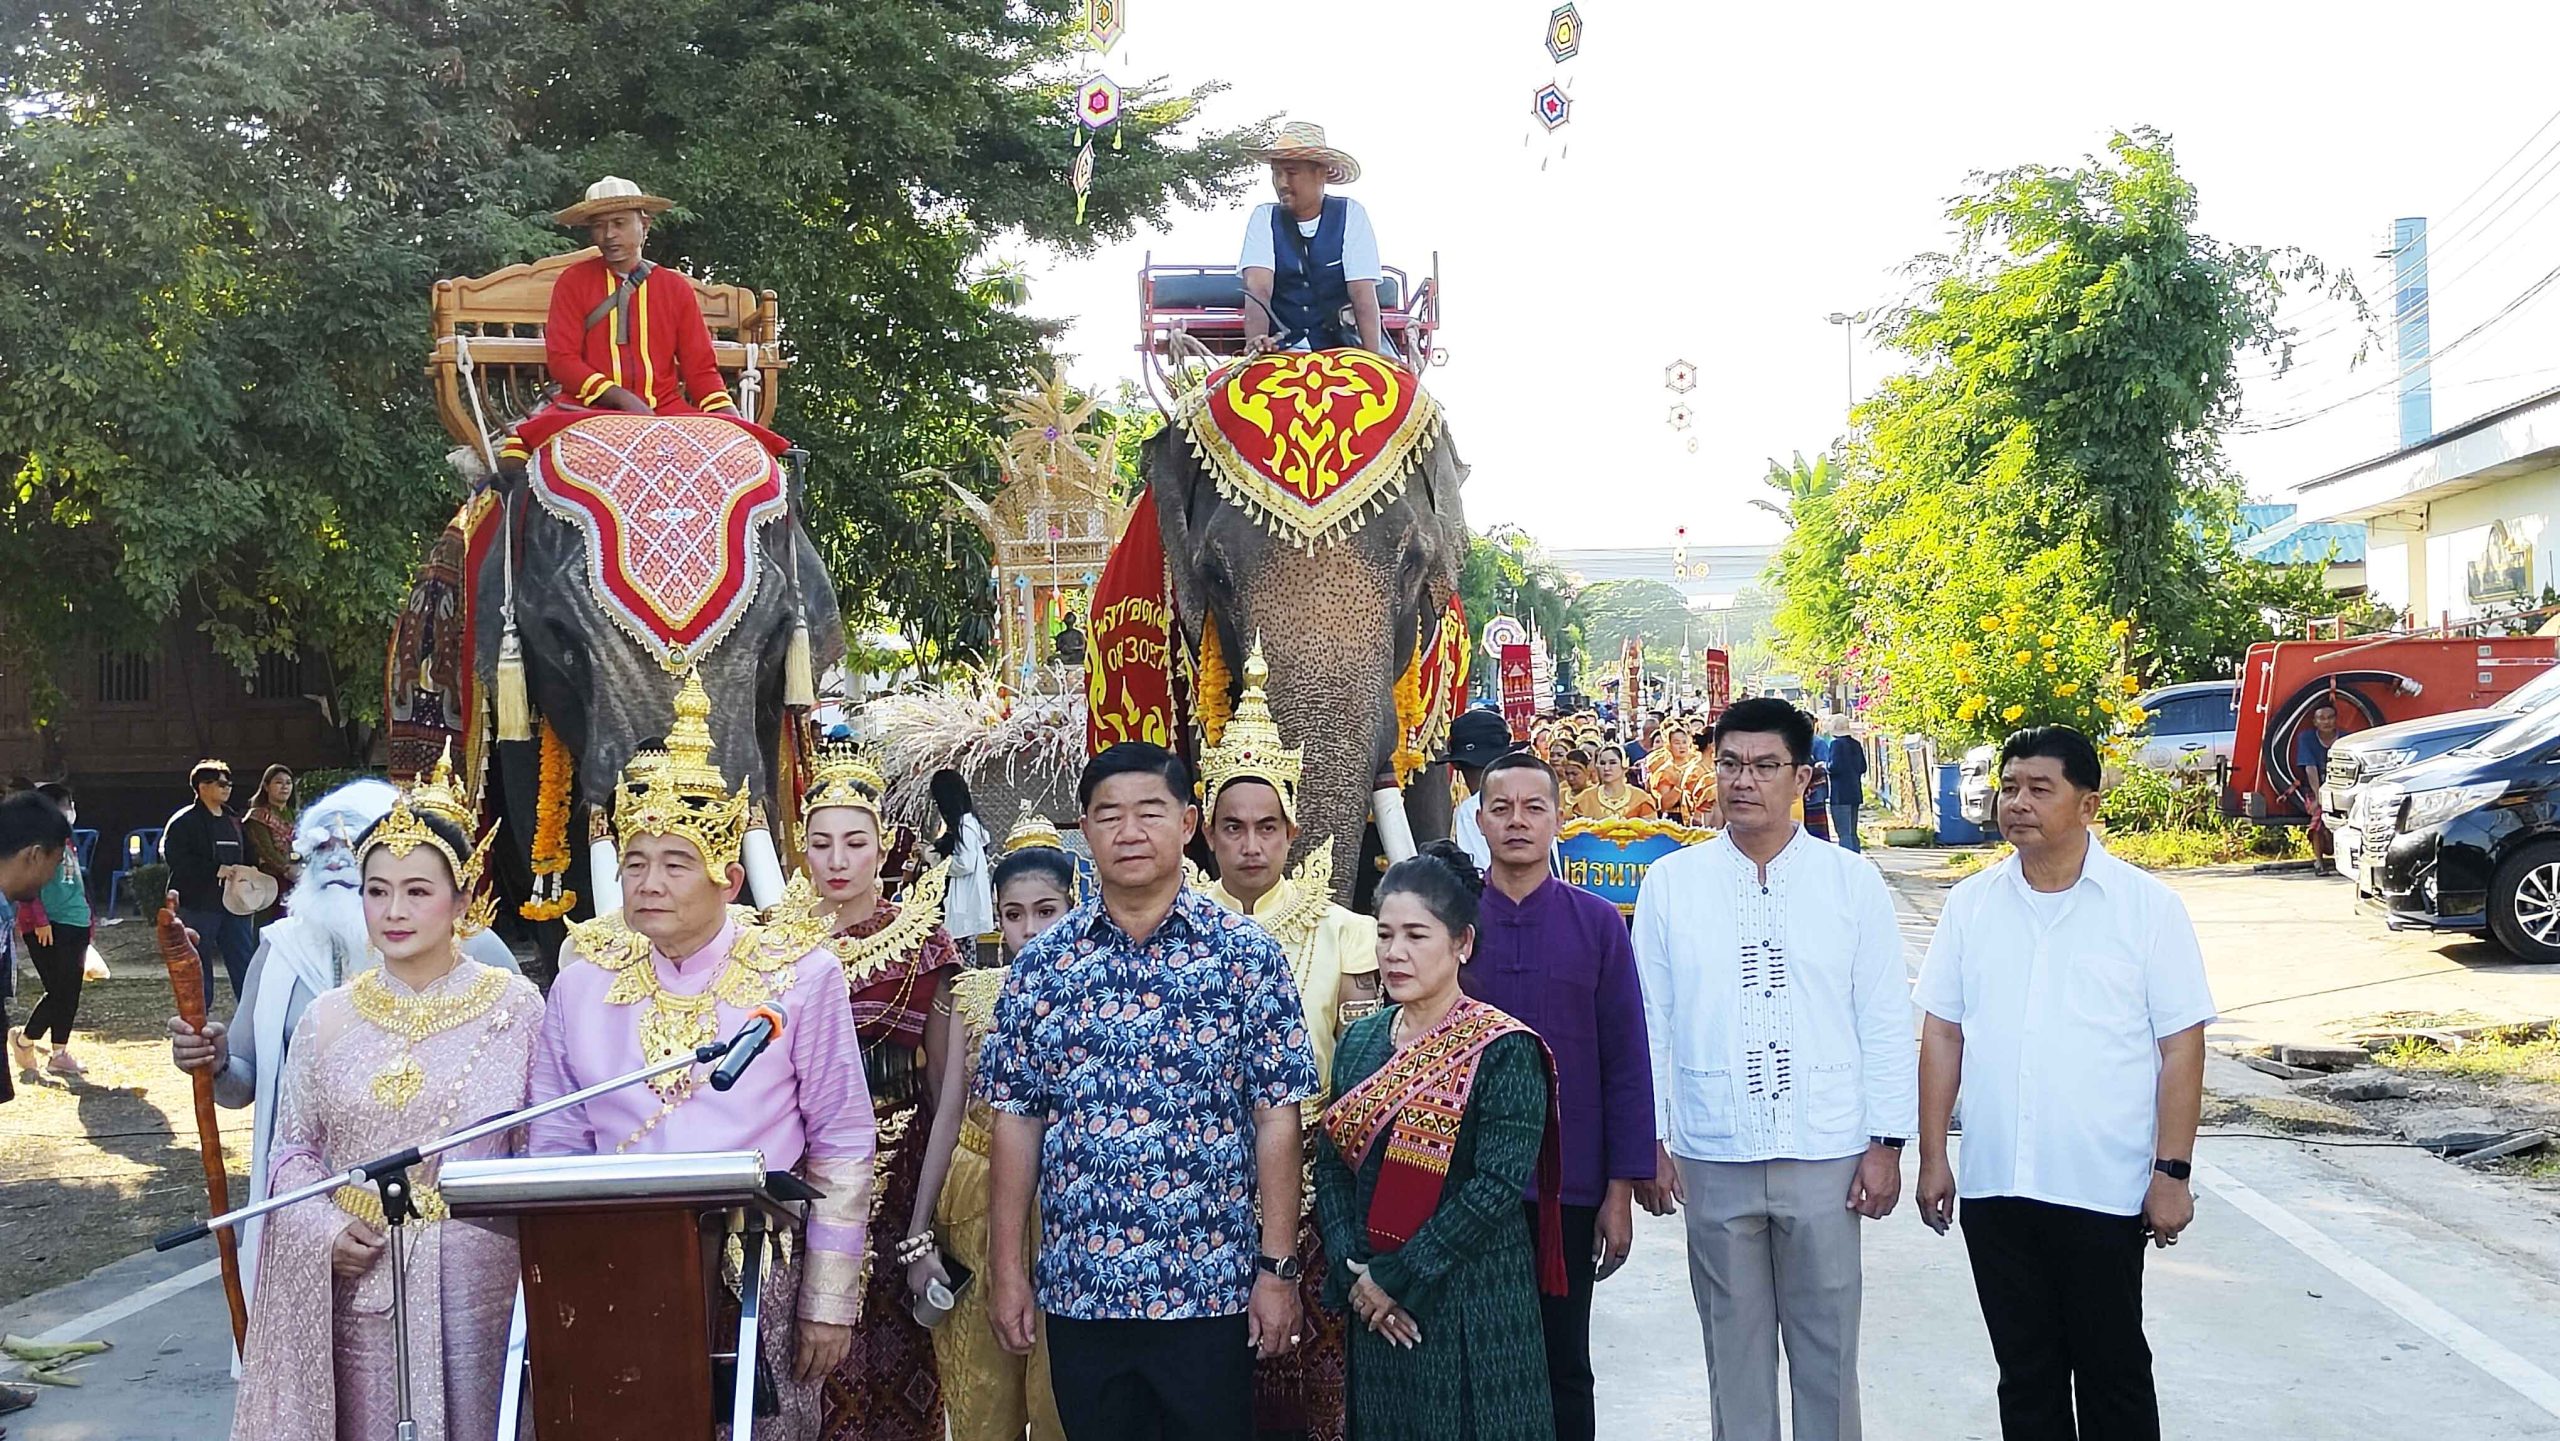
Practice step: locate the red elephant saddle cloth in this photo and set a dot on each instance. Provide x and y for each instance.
(671, 505)
(1311, 442)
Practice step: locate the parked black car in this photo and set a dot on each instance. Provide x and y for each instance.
(2370, 754)
(2470, 841)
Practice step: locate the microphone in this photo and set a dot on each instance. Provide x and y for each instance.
(764, 1023)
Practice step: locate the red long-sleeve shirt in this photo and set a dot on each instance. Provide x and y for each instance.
(663, 355)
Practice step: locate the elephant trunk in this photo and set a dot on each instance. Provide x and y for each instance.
(1331, 685)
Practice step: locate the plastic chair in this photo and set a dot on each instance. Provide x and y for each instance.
(141, 848)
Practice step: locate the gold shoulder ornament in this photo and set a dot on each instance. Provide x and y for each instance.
(974, 993)
(865, 957)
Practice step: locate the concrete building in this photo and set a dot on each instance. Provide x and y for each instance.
(2459, 524)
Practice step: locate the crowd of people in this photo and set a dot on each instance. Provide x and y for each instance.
(1221, 1158)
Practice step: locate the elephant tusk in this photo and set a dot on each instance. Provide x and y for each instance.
(604, 874)
(1395, 833)
(764, 868)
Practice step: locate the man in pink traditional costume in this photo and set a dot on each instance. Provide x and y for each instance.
(406, 1052)
(678, 967)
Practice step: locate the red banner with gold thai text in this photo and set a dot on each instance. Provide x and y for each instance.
(1519, 690)
(1129, 660)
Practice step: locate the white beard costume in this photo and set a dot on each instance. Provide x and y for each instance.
(320, 945)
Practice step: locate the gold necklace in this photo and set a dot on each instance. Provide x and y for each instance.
(863, 958)
(414, 1018)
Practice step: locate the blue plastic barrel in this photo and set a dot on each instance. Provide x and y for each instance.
(1953, 828)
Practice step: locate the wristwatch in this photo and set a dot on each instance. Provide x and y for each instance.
(1287, 1268)
(1896, 1142)
(2174, 1170)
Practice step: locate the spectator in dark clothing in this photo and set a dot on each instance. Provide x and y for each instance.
(198, 843)
(33, 833)
(1848, 785)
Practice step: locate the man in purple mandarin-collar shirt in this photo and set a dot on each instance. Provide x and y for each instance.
(1558, 960)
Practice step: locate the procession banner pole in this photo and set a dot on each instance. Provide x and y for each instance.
(186, 980)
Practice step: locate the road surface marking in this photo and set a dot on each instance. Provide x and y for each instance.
(2459, 1336)
(82, 1327)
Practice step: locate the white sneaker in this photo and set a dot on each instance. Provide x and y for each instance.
(61, 1063)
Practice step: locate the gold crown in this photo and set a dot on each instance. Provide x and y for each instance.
(1033, 830)
(403, 830)
(1251, 747)
(678, 791)
(839, 776)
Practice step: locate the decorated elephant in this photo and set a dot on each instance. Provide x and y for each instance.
(1312, 501)
(632, 560)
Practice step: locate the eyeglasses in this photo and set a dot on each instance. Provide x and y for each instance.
(1764, 771)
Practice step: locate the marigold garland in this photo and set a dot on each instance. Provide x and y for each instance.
(551, 898)
(1409, 714)
(1216, 704)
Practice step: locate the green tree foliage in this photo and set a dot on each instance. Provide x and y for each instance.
(219, 220)
(1817, 617)
(2055, 445)
(1507, 574)
(1650, 612)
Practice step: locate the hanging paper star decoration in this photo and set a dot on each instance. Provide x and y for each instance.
(1693, 445)
(1564, 33)
(1105, 21)
(1098, 102)
(1679, 417)
(1552, 106)
(1680, 377)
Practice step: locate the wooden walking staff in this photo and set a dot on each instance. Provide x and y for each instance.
(186, 979)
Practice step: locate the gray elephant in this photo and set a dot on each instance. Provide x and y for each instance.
(604, 693)
(1338, 621)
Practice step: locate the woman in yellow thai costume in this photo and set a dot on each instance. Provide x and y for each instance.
(1613, 796)
(992, 1393)
(428, 1041)
(900, 964)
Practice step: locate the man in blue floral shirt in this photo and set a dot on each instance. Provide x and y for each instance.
(1149, 1089)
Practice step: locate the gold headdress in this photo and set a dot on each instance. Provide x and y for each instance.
(839, 776)
(678, 791)
(402, 830)
(1251, 746)
(1033, 830)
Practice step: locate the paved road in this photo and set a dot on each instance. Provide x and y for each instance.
(2325, 1292)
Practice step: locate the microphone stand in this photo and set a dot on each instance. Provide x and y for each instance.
(389, 1174)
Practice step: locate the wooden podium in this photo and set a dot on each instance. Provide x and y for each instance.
(622, 1286)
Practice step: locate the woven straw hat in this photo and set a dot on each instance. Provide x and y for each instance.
(609, 195)
(1299, 140)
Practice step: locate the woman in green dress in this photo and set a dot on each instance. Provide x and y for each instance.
(1444, 1112)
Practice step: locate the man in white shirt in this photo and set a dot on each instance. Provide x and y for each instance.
(1780, 1026)
(1476, 739)
(2065, 1003)
(1312, 255)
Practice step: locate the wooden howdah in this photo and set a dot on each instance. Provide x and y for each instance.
(502, 315)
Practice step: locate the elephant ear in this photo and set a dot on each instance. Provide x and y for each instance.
(1185, 499)
(1443, 476)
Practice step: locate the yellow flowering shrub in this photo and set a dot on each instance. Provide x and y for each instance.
(2046, 655)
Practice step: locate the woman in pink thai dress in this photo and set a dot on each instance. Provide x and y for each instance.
(426, 1042)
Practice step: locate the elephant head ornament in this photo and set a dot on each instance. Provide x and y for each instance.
(1340, 606)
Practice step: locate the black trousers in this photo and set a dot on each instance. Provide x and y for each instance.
(2061, 1293)
(60, 966)
(1568, 1325)
(1153, 1380)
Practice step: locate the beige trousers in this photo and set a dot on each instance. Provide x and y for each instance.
(1773, 1253)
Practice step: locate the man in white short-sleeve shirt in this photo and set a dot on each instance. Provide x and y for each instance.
(1310, 255)
(2065, 1003)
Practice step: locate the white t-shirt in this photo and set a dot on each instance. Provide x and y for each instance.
(2062, 1028)
(1359, 242)
(1467, 829)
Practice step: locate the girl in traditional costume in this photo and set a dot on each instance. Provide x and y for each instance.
(1431, 1249)
(900, 964)
(406, 1052)
(1613, 796)
(994, 1394)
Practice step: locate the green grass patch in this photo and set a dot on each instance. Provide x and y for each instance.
(2521, 1053)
